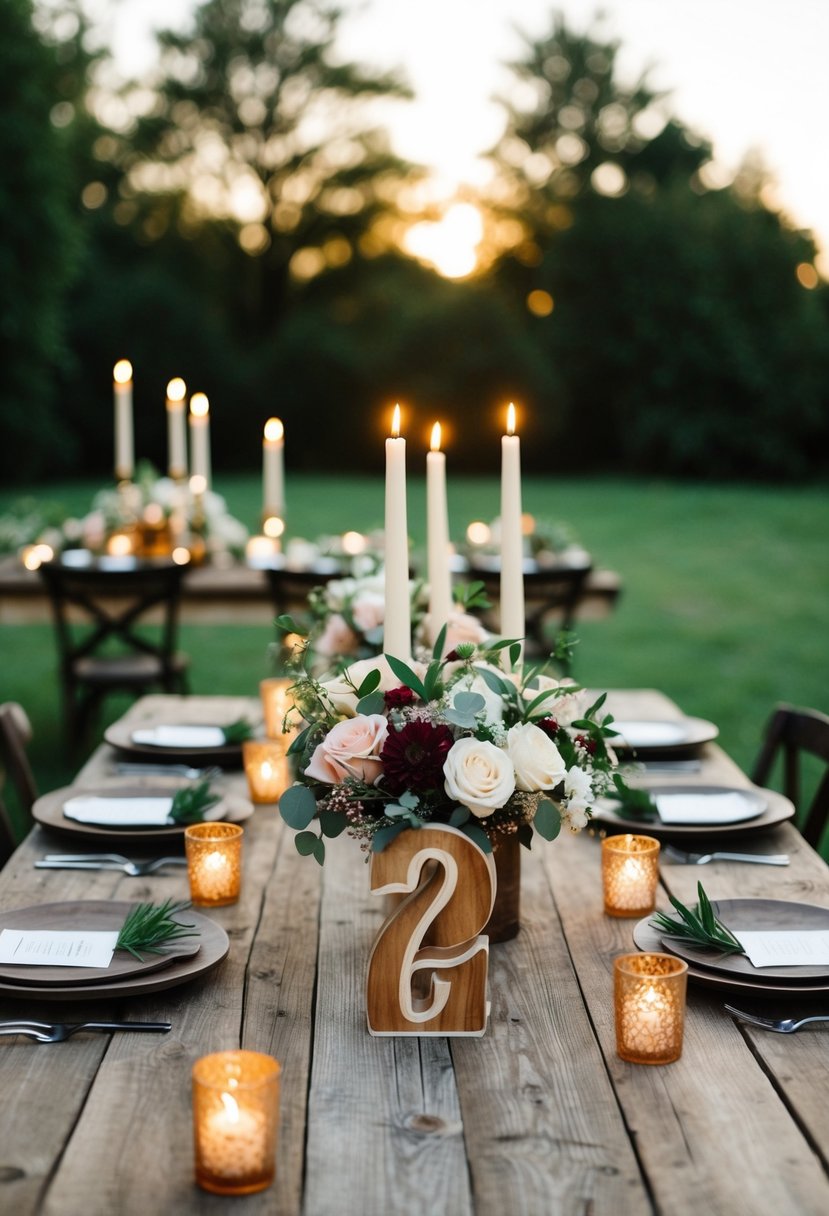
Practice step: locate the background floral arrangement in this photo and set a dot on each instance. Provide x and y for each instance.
(453, 738)
(544, 539)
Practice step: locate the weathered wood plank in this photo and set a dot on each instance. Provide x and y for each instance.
(384, 1127)
(542, 1128)
(704, 1126)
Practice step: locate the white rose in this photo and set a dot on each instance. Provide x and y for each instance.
(578, 788)
(479, 775)
(536, 759)
(565, 707)
(341, 694)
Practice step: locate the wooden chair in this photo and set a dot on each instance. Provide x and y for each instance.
(98, 612)
(792, 732)
(551, 600)
(15, 734)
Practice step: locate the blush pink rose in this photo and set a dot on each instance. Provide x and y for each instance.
(350, 749)
(337, 638)
(368, 610)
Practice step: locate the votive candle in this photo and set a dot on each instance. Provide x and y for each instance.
(235, 1121)
(630, 873)
(266, 768)
(397, 626)
(437, 526)
(214, 863)
(649, 1004)
(512, 622)
(276, 702)
(200, 439)
(122, 400)
(176, 429)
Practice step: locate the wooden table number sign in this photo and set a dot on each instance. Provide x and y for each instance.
(448, 888)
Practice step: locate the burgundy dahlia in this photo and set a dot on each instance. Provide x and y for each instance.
(396, 698)
(413, 757)
(549, 726)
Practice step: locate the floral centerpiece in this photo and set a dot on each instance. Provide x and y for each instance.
(466, 737)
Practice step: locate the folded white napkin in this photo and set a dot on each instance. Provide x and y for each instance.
(650, 734)
(181, 736)
(119, 812)
(706, 808)
(786, 947)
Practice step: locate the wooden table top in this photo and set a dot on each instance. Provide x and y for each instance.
(539, 1117)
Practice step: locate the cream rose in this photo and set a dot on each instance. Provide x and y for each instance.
(461, 627)
(479, 775)
(565, 707)
(350, 749)
(338, 689)
(536, 759)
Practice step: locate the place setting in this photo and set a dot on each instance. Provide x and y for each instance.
(692, 812)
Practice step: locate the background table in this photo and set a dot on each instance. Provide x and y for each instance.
(539, 1117)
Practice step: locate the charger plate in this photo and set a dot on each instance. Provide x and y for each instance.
(650, 940)
(646, 736)
(96, 916)
(213, 947)
(48, 811)
(119, 734)
(777, 809)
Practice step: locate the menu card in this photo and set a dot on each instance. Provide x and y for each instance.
(785, 947)
(57, 947)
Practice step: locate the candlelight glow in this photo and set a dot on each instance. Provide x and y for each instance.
(274, 430)
(395, 423)
(510, 419)
(180, 555)
(478, 533)
(527, 524)
(36, 555)
(119, 545)
(354, 543)
(436, 436)
(153, 514)
(122, 372)
(199, 405)
(273, 526)
(198, 484)
(176, 389)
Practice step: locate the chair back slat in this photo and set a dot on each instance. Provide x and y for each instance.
(15, 734)
(794, 733)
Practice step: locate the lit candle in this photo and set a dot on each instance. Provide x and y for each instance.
(277, 702)
(261, 552)
(512, 544)
(235, 1120)
(214, 862)
(273, 469)
(630, 873)
(122, 393)
(176, 429)
(397, 626)
(266, 768)
(200, 438)
(437, 526)
(649, 1003)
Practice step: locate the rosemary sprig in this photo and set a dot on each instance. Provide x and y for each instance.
(698, 925)
(633, 804)
(191, 803)
(238, 731)
(149, 927)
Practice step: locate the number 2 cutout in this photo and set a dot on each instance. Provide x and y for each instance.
(439, 988)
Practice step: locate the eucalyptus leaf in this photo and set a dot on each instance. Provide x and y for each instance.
(495, 681)
(298, 743)
(332, 823)
(547, 821)
(298, 806)
(384, 836)
(369, 684)
(459, 816)
(477, 835)
(310, 845)
(374, 703)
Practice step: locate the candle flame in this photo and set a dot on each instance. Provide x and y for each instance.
(199, 405)
(267, 770)
(273, 526)
(231, 1108)
(436, 437)
(198, 484)
(35, 555)
(122, 372)
(354, 543)
(395, 423)
(510, 419)
(274, 429)
(176, 389)
(180, 555)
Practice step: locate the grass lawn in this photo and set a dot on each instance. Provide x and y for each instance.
(726, 590)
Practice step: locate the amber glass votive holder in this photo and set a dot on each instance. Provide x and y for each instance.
(276, 702)
(214, 863)
(236, 1121)
(267, 769)
(630, 873)
(649, 1003)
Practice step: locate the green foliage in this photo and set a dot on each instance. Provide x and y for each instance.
(699, 925)
(151, 927)
(191, 803)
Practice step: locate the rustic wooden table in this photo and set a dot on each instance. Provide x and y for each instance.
(538, 1117)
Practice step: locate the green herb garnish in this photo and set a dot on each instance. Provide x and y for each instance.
(698, 926)
(149, 927)
(238, 731)
(633, 804)
(192, 803)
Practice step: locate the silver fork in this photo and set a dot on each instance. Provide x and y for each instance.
(106, 861)
(57, 1032)
(127, 769)
(779, 1025)
(702, 859)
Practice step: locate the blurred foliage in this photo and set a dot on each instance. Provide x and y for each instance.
(233, 218)
(36, 247)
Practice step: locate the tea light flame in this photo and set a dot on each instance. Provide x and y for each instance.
(199, 405)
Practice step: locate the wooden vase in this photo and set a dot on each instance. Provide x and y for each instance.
(505, 920)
